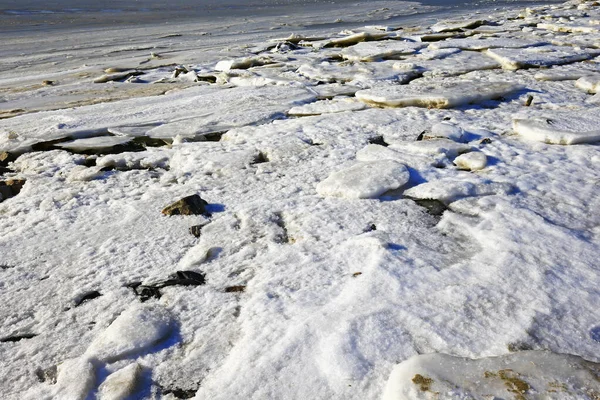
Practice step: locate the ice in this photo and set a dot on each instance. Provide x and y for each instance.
(485, 43)
(328, 106)
(560, 128)
(373, 51)
(589, 83)
(472, 161)
(354, 73)
(95, 144)
(135, 330)
(448, 191)
(365, 180)
(75, 380)
(448, 64)
(446, 130)
(523, 374)
(446, 95)
(541, 56)
(446, 147)
(347, 40)
(569, 27)
(449, 26)
(120, 384)
(243, 63)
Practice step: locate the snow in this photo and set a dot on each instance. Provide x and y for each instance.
(590, 83)
(520, 375)
(359, 213)
(440, 96)
(365, 180)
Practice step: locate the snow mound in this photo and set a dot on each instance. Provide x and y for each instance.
(365, 180)
(439, 96)
(135, 330)
(446, 130)
(527, 374)
(373, 51)
(572, 128)
(541, 56)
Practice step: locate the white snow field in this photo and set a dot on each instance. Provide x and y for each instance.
(387, 212)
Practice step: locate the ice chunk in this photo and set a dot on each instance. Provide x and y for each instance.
(445, 147)
(120, 384)
(540, 56)
(563, 128)
(472, 161)
(374, 152)
(448, 191)
(449, 65)
(347, 40)
(445, 130)
(328, 106)
(365, 180)
(328, 72)
(135, 330)
(450, 26)
(373, 51)
(539, 374)
(569, 27)
(243, 63)
(589, 83)
(443, 95)
(95, 144)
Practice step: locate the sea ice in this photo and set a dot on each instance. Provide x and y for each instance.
(373, 51)
(448, 191)
(445, 130)
(449, 65)
(99, 143)
(120, 384)
(477, 44)
(328, 106)
(540, 56)
(443, 95)
(365, 180)
(526, 374)
(449, 26)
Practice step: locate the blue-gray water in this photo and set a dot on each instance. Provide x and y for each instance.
(27, 15)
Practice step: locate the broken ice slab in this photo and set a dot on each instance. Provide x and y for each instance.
(328, 107)
(442, 95)
(540, 56)
(373, 51)
(561, 128)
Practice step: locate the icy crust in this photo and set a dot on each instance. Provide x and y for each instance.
(522, 375)
(561, 128)
(445, 95)
(328, 106)
(96, 143)
(365, 180)
(450, 63)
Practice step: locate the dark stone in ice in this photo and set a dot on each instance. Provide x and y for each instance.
(10, 188)
(179, 278)
(235, 289)
(486, 141)
(47, 375)
(5, 158)
(434, 207)
(180, 393)
(190, 205)
(17, 338)
(420, 137)
(378, 140)
(196, 230)
(86, 297)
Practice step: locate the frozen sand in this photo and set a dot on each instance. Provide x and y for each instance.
(347, 249)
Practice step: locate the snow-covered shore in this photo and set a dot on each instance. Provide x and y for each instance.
(388, 212)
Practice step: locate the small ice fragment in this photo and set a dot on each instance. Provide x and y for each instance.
(135, 330)
(76, 378)
(365, 180)
(472, 161)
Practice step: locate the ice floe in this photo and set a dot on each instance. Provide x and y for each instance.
(561, 128)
